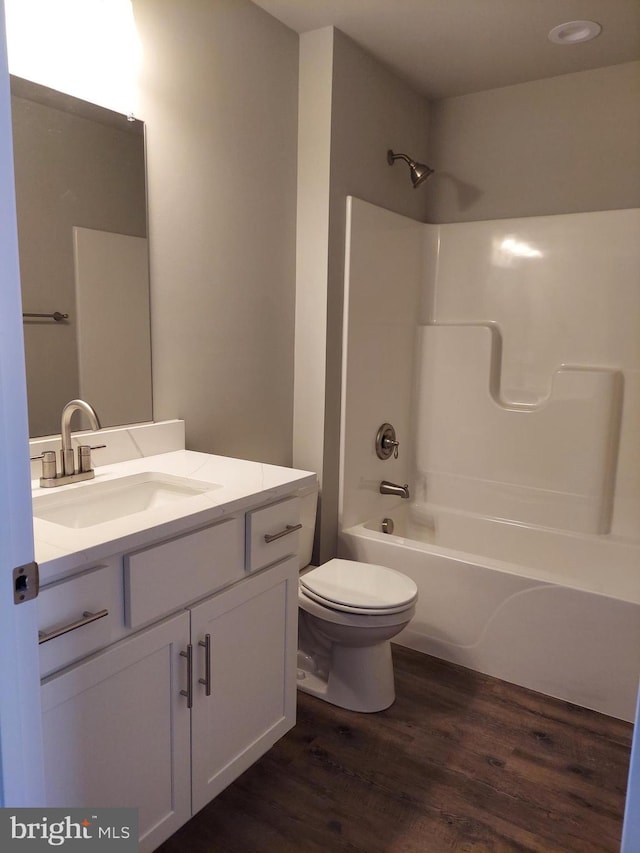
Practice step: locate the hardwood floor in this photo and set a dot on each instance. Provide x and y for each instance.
(461, 762)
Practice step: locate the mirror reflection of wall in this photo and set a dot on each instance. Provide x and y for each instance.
(82, 229)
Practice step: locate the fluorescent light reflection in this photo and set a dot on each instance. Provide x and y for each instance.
(508, 251)
(86, 48)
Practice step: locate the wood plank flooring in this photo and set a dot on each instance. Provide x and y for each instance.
(461, 762)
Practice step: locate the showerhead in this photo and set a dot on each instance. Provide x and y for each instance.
(419, 172)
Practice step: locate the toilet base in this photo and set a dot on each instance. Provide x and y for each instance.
(360, 678)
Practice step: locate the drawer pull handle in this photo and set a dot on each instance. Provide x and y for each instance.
(290, 528)
(189, 691)
(207, 664)
(87, 619)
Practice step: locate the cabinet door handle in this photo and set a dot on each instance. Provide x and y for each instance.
(87, 619)
(206, 643)
(290, 528)
(189, 691)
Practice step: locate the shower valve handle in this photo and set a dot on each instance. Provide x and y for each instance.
(386, 442)
(390, 444)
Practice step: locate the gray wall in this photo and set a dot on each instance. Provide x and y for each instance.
(219, 97)
(368, 110)
(566, 144)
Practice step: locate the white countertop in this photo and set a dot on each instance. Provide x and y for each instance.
(241, 485)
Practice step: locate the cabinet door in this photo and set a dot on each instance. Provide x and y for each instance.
(253, 631)
(116, 731)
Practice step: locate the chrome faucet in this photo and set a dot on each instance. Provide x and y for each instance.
(387, 488)
(70, 471)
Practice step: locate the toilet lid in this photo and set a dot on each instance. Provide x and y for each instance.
(361, 587)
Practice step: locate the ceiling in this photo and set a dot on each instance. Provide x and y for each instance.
(453, 47)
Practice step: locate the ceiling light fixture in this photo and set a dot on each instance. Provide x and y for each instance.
(574, 32)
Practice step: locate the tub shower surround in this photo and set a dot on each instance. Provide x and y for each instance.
(550, 462)
(506, 355)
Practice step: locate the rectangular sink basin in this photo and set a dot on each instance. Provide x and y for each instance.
(95, 503)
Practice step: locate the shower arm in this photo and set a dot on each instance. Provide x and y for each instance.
(391, 157)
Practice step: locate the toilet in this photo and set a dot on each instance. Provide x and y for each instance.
(348, 612)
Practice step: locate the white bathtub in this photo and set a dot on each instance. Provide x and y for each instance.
(552, 611)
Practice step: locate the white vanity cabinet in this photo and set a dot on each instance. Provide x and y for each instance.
(252, 631)
(117, 731)
(199, 688)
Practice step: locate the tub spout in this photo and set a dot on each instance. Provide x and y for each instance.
(387, 488)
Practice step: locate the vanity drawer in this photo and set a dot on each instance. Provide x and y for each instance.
(162, 578)
(272, 533)
(79, 615)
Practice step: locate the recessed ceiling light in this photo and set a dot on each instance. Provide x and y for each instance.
(574, 32)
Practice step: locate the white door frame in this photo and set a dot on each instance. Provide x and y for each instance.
(21, 766)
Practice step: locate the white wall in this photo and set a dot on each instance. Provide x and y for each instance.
(219, 97)
(565, 144)
(111, 272)
(384, 250)
(361, 110)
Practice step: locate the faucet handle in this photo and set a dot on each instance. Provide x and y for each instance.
(49, 467)
(84, 456)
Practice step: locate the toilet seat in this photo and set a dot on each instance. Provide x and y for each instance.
(361, 611)
(362, 588)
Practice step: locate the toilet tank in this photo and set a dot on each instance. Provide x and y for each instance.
(308, 505)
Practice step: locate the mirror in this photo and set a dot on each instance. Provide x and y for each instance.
(82, 233)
